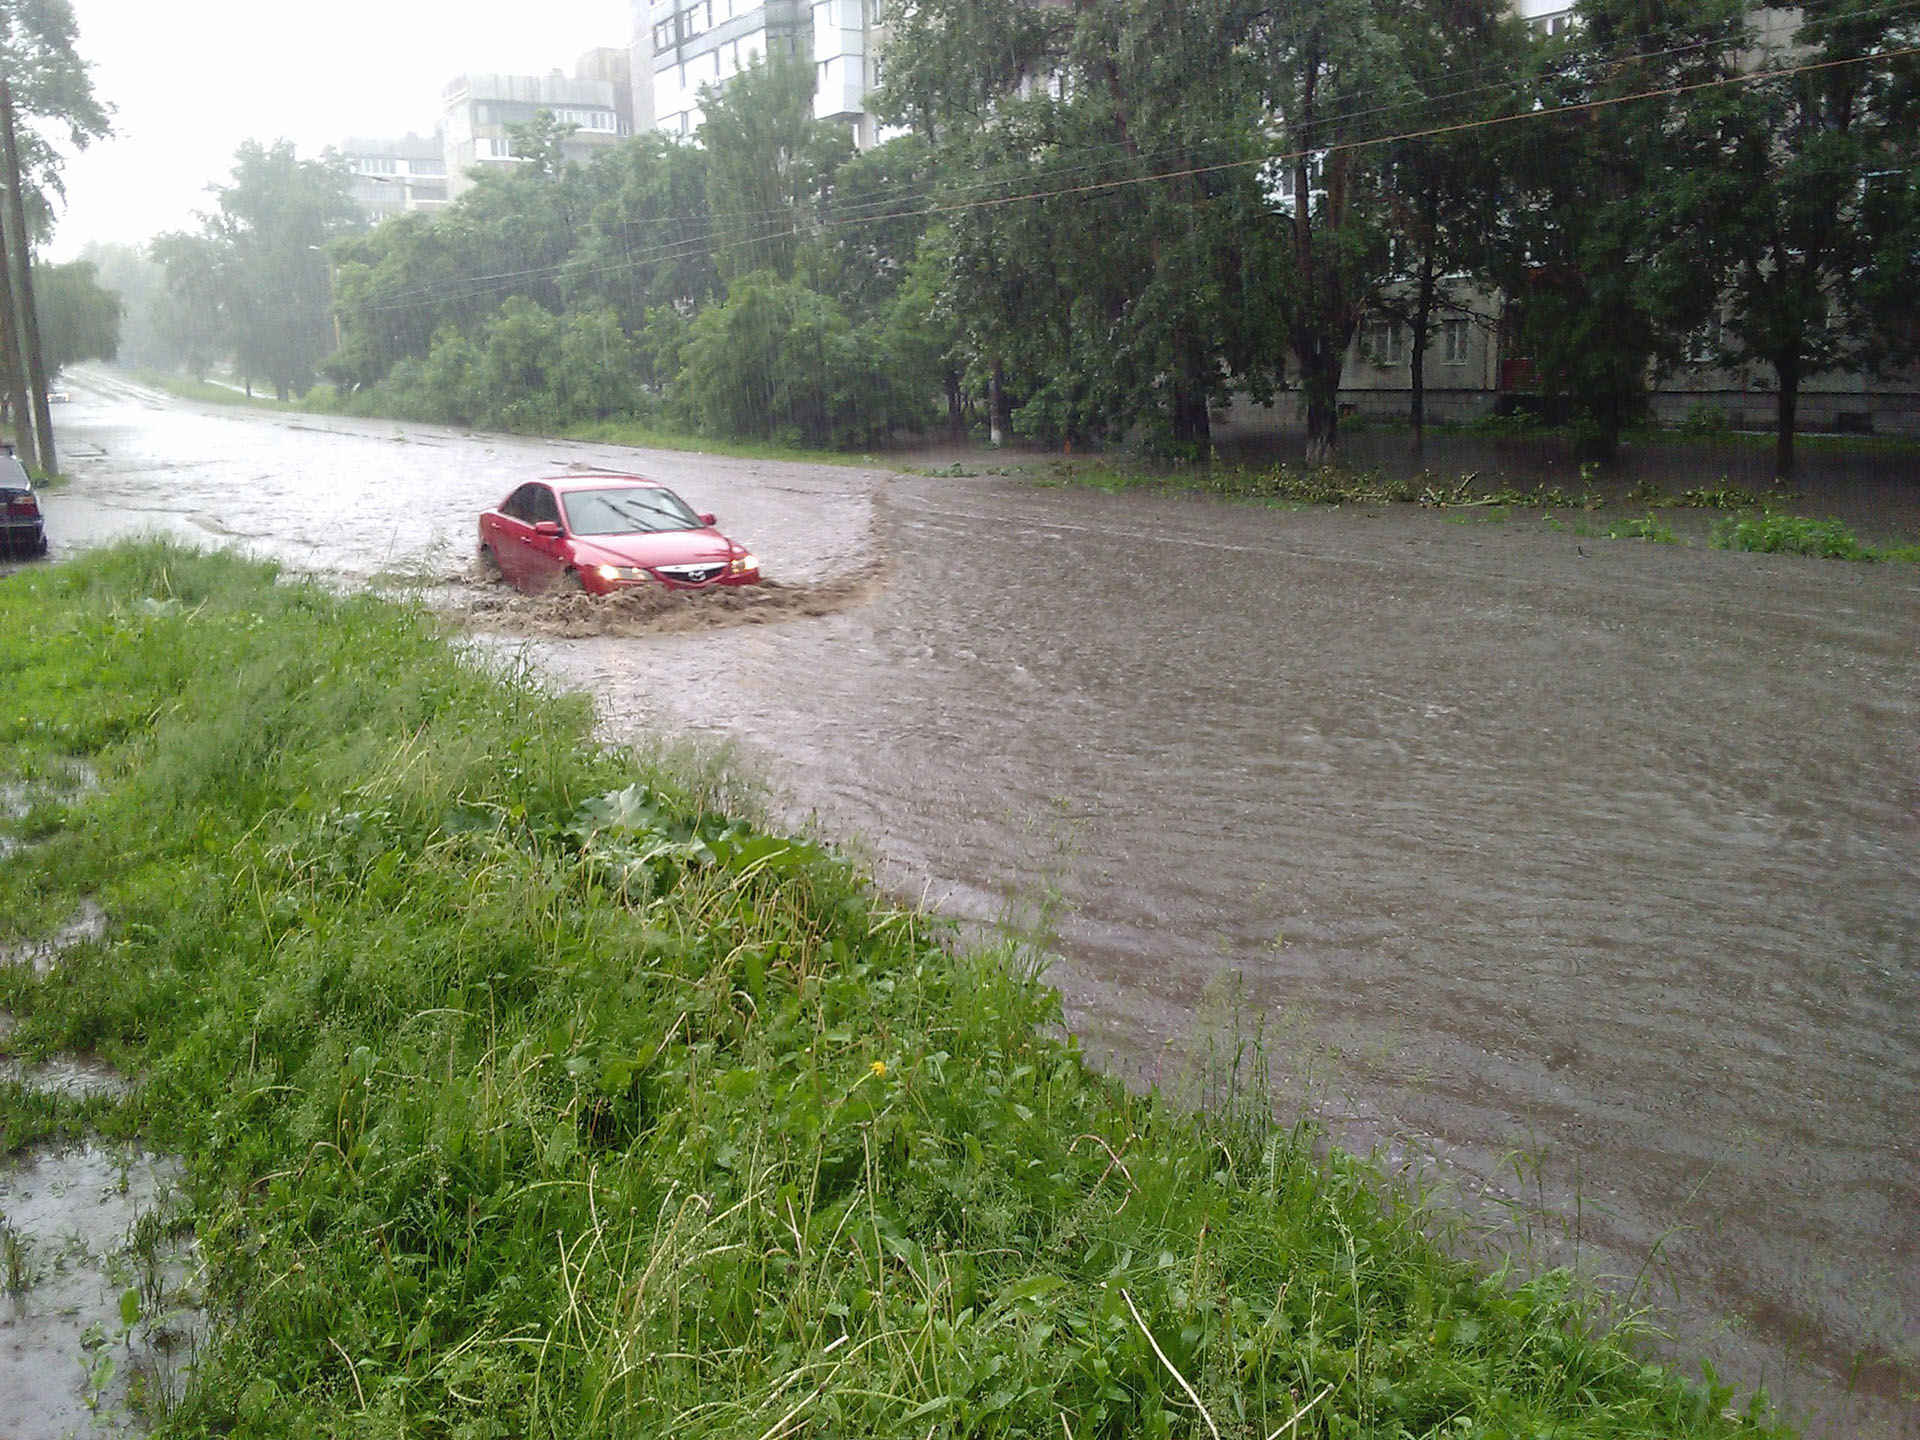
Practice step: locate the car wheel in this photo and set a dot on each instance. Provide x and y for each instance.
(572, 584)
(490, 564)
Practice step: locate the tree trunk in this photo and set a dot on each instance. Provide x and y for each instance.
(1785, 410)
(1422, 330)
(33, 366)
(998, 421)
(1192, 424)
(1320, 389)
(15, 373)
(956, 420)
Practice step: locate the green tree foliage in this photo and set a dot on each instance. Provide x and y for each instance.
(1113, 254)
(1110, 219)
(778, 361)
(648, 239)
(254, 285)
(79, 318)
(1443, 191)
(131, 274)
(52, 95)
(766, 161)
(1817, 166)
(1605, 257)
(187, 314)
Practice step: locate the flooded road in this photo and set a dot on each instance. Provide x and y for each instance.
(1590, 867)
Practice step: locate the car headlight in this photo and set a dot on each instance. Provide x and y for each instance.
(741, 564)
(608, 572)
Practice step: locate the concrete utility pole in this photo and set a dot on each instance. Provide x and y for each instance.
(20, 249)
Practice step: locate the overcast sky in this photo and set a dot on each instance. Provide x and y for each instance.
(190, 80)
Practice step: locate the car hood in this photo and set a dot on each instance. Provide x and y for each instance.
(672, 547)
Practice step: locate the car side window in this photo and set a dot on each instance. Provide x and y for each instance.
(519, 505)
(543, 506)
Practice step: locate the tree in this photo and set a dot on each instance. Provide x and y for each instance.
(1442, 191)
(766, 160)
(1111, 262)
(1605, 260)
(260, 265)
(51, 89)
(187, 315)
(540, 144)
(131, 275)
(648, 240)
(1805, 214)
(79, 319)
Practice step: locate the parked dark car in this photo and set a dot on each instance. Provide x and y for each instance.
(603, 531)
(22, 530)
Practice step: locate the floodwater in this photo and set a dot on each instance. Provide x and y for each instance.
(1586, 868)
(85, 1228)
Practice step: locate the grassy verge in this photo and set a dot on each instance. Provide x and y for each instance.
(1339, 485)
(521, 1091)
(207, 392)
(635, 434)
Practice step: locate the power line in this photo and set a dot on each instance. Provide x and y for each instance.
(720, 238)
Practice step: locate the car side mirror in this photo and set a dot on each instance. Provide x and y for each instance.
(707, 518)
(547, 527)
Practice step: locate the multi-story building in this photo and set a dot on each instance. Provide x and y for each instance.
(482, 111)
(681, 45)
(394, 176)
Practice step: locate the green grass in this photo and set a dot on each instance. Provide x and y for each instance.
(524, 1090)
(209, 393)
(322, 400)
(1645, 527)
(641, 435)
(1771, 534)
(1323, 485)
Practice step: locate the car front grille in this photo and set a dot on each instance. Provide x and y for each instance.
(691, 574)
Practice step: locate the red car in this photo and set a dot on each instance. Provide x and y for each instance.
(601, 531)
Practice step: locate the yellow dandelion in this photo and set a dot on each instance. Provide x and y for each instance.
(879, 1067)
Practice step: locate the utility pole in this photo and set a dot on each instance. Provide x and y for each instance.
(20, 249)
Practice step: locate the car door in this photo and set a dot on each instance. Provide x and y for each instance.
(546, 553)
(510, 533)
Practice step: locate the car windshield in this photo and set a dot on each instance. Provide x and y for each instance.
(629, 511)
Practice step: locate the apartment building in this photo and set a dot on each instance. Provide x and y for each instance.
(681, 45)
(391, 177)
(480, 113)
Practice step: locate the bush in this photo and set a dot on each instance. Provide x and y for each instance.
(1705, 420)
(778, 361)
(1788, 535)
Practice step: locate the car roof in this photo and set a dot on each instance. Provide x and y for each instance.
(598, 480)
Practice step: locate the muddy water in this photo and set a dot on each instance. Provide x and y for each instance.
(1589, 867)
(82, 1232)
(1583, 863)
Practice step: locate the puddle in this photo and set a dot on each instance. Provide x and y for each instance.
(68, 1076)
(90, 924)
(99, 1319)
(19, 797)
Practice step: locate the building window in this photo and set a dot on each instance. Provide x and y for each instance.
(663, 36)
(1454, 338)
(1386, 343)
(375, 166)
(1703, 345)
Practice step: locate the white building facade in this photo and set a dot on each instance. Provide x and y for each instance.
(391, 177)
(679, 46)
(480, 113)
